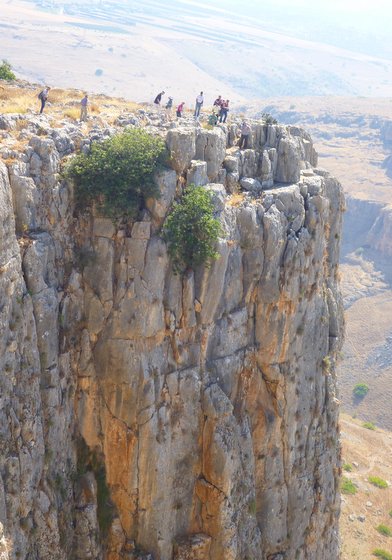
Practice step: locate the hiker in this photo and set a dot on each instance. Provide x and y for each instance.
(199, 103)
(218, 102)
(223, 111)
(43, 97)
(180, 109)
(213, 118)
(245, 133)
(169, 105)
(158, 98)
(83, 108)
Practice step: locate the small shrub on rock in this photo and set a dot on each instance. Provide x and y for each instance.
(383, 554)
(268, 118)
(369, 426)
(191, 230)
(384, 530)
(117, 174)
(377, 481)
(347, 486)
(360, 390)
(6, 72)
(347, 467)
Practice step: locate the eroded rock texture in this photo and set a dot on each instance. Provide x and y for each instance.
(151, 415)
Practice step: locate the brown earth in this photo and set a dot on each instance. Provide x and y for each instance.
(369, 453)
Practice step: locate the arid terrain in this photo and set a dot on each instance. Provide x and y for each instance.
(135, 49)
(365, 453)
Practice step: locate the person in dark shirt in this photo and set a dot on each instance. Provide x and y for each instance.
(43, 97)
(158, 98)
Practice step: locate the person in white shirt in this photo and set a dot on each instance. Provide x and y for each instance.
(199, 103)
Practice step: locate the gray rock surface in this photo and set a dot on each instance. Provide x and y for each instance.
(146, 414)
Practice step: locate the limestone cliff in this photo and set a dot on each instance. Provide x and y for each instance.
(151, 415)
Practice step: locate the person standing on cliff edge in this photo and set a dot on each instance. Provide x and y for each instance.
(245, 133)
(157, 100)
(43, 97)
(83, 108)
(199, 104)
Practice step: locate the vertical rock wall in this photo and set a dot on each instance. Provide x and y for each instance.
(152, 415)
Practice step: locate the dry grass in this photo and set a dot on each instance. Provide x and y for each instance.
(236, 199)
(16, 99)
(72, 113)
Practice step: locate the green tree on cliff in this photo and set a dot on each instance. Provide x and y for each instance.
(6, 72)
(117, 174)
(191, 230)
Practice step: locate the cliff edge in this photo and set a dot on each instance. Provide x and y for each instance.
(149, 415)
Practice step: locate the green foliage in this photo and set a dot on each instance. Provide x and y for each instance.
(360, 390)
(347, 467)
(6, 72)
(383, 554)
(268, 118)
(369, 426)
(117, 174)
(191, 230)
(377, 481)
(384, 530)
(347, 486)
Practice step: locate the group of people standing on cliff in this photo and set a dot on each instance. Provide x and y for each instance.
(219, 113)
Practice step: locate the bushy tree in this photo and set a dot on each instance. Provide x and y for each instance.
(117, 174)
(268, 118)
(360, 390)
(191, 230)
(6, 72)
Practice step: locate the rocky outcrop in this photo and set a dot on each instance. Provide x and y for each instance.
(152, 415)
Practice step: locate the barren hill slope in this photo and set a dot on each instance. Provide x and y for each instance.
(366, 453)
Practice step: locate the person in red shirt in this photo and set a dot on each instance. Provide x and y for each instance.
(180, 109)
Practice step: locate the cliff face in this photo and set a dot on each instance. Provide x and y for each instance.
(152, 415)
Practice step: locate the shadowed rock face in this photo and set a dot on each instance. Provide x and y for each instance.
(189, 417)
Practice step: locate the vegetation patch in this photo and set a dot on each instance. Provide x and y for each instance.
(191, 230)
(347, 486)
(377, 481)
(6, 72)
(369, 426)
(347, 467)
(383, 554)
(384, 530)
(360, 390)
(268, 118)
(117, 174)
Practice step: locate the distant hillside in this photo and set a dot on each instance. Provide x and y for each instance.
(241, 52)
